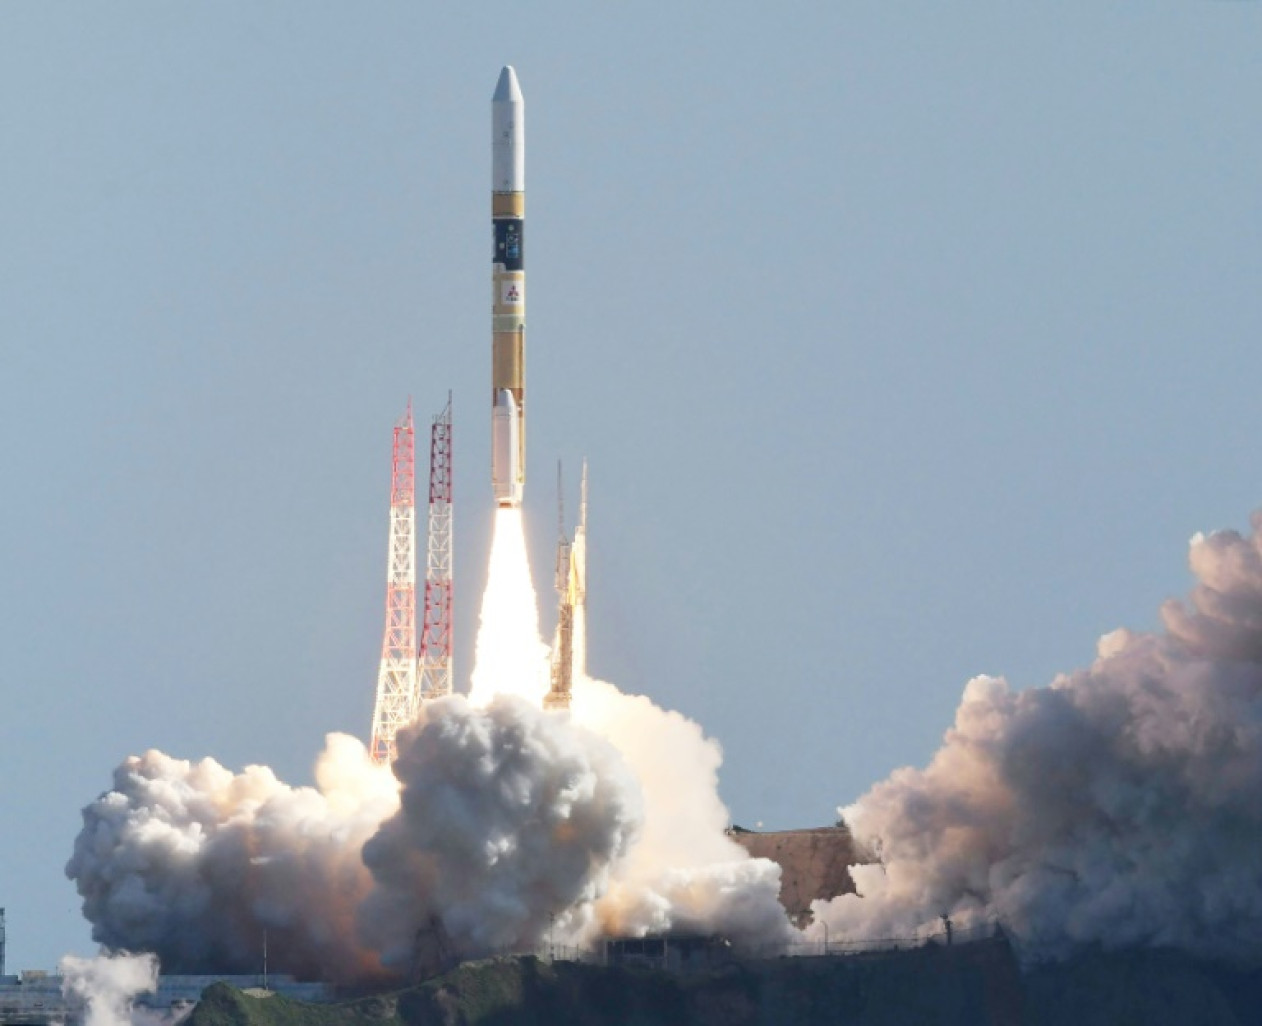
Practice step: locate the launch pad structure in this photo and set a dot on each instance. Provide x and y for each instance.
(395, 706)
(435, 650)
(414, 670)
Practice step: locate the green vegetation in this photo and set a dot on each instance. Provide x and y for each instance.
(970, 985)
(222, 1005)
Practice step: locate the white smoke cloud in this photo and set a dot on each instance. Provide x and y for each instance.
(194, 863)
(506, 825)
(108, 985)
(510, 817)
(683, 874)
(1118, 806)
(512, 824)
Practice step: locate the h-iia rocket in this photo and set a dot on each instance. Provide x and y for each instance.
(508, 295)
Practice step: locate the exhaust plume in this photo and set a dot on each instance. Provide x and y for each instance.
(683, 874)
(510, 657)
(509, 818)
(1117, 806)
(501, 825)
(680, 873)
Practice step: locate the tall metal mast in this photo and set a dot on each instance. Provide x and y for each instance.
(396, 680)
(435, 651)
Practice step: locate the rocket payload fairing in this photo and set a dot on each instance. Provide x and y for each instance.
(508, 295)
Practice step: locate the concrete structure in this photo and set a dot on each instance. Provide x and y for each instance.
(814, 863)
(668, 954)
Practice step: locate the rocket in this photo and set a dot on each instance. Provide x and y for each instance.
(508, 291)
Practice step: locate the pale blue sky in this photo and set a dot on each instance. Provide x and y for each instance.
(906, 342)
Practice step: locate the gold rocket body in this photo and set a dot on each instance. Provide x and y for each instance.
(508, 292)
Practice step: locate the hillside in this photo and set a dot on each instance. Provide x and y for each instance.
(970, 985)
(974, 984)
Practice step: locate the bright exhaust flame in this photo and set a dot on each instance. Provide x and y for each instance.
(511, 658)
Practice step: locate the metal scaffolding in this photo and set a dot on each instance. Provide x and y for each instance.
(435, 650)
(396, 702)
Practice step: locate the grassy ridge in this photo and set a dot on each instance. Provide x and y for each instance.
(970, 985)
(977, 984)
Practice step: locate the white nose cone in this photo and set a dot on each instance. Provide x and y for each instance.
(508, 135)
(506, 89)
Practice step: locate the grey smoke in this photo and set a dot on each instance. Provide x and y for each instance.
(1121, 805)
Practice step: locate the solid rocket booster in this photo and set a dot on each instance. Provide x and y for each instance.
(508, 291)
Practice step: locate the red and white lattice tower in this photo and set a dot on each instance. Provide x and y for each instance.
(396, 703)
(435, 652)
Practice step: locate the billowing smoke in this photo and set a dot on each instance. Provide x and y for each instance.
(1118, 806)
(196, 864)
(108, 985)
(502, 819)
(1121, 805)
(501, 825)
(509, 819)
(683, 874)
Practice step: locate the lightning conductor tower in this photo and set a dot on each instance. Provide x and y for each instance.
(397, 696)
(436, 632)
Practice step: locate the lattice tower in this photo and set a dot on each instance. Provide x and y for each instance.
(435, 651)
(397, 700)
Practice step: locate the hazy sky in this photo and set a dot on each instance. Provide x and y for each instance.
(906, 342)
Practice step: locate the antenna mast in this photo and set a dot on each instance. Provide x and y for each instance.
(396, 680)
(435, 651)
